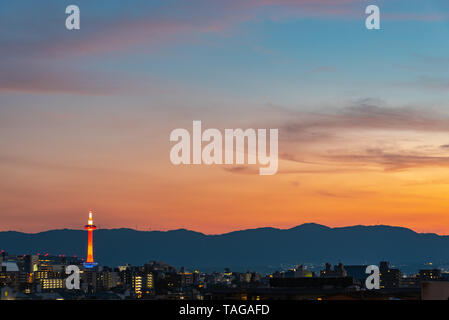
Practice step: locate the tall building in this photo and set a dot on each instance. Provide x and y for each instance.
(430, 275)
(90, 227)
(137, 284)
(358, 273)
(339, 271)
(389, 278)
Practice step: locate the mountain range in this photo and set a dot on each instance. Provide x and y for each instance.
(255, 249)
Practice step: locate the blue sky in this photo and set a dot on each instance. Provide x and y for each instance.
(261, 51)
(104, 98)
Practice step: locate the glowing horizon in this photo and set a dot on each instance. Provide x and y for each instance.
(363, 116)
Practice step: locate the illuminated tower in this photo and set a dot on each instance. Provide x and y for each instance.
(90, 227)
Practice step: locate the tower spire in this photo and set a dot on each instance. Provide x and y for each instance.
(90, 227)
(90, 221)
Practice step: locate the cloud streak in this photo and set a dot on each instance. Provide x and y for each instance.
(392, 161)
(394, 138)
(366, 114)
(124, 29)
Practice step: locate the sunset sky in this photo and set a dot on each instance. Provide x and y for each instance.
(85, 115)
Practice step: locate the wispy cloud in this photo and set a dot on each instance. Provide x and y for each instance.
(345, 195)
(392, 161)
(435, 83)
(38, 36)
(364, 134)
(18, 77)
(365, 114)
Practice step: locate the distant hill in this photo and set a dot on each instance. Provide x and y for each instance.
(255, 249)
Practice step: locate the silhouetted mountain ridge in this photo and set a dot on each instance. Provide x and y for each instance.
(243, 249)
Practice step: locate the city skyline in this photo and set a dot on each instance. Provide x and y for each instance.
(46, 276)
(363, 115)
(356, 244)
